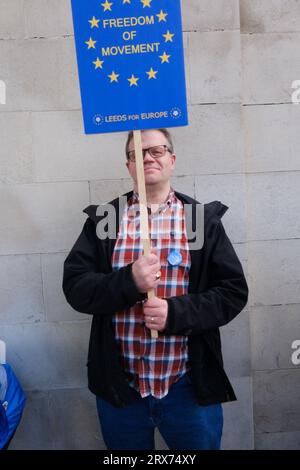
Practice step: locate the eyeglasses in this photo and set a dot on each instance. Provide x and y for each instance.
(156, 152)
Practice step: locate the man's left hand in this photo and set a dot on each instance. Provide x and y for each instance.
(156, 313)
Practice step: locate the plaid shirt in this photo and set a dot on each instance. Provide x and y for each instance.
(153, 365)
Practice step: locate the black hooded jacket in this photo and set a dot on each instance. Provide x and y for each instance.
(217, 292)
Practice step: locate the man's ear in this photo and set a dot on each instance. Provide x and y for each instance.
(173, 156)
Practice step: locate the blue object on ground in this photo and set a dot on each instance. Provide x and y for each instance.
(12, 403)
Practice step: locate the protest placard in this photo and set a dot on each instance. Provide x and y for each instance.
(131, 64)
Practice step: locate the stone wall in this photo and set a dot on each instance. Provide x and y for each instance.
(241, 147)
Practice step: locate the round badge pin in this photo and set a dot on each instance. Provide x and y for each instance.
(174, 257)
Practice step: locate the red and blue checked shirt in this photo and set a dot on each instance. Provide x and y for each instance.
(153, 365)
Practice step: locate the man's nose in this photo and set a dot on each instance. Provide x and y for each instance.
(147, 156)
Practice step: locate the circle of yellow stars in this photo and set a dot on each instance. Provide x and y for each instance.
(114, 77)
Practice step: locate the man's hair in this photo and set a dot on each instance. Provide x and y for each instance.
(165, 132)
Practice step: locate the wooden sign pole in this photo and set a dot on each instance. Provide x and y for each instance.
(139, 161)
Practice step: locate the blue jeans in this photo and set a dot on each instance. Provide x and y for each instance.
(182, 422)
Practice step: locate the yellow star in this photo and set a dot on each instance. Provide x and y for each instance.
(113, 77)
(94, 22)
(164, 58)
(162, 16)
(133, 80)
(107, 5)
(168, 37)
(126, 1)
(152, 73)
(91, 43)
(98, 63)
(146, 3)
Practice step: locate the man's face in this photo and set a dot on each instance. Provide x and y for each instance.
(157, 170)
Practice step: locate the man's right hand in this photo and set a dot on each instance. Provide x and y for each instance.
(144, 271)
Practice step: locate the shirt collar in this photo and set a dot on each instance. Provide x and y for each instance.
(162, 207)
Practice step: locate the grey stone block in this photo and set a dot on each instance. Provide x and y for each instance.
(276, 401)
(22, 19)
(56, 306)
(76, 156)
(274, 329)
(59, 420)
(238, 417)
(236, 346)
(34, 432)
(231, 191)
(39, 218)
(210, 16)
(184, 184)
(274, 272)
(264, 16)
(272, 206)
(40, 74)
(48, 355)
(241, 251)
(21, 296)
(35, 19)
(79, 428)
(212, 143)
(277, 441)
(106, 190)
(46, 19)
(187, 67)
(12, 19)
(272, 139)
(215, 60)
(16, 151)
(269, 74)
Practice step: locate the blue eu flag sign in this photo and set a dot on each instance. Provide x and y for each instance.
(131, 64)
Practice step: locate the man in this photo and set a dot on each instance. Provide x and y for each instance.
(175, 382)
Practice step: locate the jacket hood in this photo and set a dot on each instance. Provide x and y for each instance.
(91, 211)
(215, 208)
